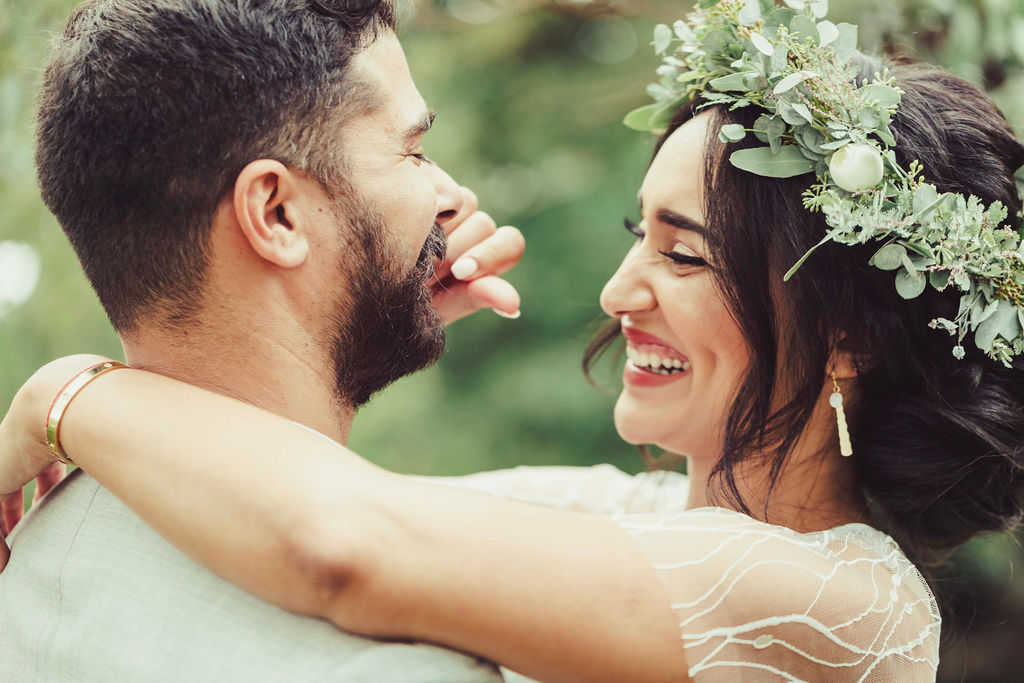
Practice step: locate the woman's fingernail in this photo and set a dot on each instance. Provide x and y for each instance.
(464, 268)
(510, 316)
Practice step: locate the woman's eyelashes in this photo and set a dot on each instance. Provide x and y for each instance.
(674, 256)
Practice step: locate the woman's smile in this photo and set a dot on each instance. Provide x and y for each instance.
(650, 361)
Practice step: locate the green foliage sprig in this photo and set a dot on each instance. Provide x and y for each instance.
(795, 65)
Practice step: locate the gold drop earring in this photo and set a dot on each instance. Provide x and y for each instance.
(836, 401)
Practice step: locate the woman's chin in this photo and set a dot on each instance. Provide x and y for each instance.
(633, 423)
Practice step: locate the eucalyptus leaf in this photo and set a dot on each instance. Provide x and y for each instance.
(684, 32)
(909, 285)
(791, 81)
(787, 163)
(811, 139)
(1005, 322)
(980, 314)
(736, 82)
(829, 146)
(889, 257)
(885, 135)
(640, 118)
(762, 44)
(827, 32)
(880, 94)
(781, 16)
(801, 109)
(780, 58)
(804, 27)
(715, 43)
(761, 127)
(869, 118)
(750, 13)
(733, 132)
(938, 279)
(846, 44)
(662, 38)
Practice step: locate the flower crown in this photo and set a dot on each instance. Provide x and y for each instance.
(796, 66)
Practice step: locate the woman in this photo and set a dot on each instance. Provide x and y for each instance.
(788, 576)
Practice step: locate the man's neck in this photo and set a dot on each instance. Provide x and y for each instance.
(292, 380)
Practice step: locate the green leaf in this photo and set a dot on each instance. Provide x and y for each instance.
(1004, 322)
(846, 44)
(780, 58)
(781, 16)
(787, 163)
(684, 32)
(801, 109)
(736, 82)
(909, 285)
(762, 44)
(885, 135)
(640, 118)
(662, 38)
(889, 257)
(804, 27)
(792, 80)
(829, 146)
(882, 95)
(733, 132)
(828, 32)
(938, 279)
(750, 13)
(796, 266)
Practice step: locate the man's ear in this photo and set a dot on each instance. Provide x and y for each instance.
(265, 202)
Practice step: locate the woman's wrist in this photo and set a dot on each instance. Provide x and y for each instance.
(29, 410)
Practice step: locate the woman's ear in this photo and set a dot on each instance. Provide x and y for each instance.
(265, 201)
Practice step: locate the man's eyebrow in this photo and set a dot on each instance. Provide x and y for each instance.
(421, 126)
(676, 220)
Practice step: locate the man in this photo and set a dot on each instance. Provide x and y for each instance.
(245, 186)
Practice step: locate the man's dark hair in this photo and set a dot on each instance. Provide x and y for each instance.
(149, 109)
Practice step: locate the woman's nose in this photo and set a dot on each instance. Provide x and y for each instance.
(628, 290)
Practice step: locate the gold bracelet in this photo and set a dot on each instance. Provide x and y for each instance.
(64, 397)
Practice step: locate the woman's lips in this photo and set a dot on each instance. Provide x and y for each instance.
(650, 361)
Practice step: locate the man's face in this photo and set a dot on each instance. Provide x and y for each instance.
(385, 326)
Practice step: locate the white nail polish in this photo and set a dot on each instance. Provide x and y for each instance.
(464, 268)
(510, 316)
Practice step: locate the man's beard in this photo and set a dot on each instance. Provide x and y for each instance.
(387, 327)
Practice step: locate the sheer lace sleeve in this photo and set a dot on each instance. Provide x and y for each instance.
(601, 489)
(757, 602)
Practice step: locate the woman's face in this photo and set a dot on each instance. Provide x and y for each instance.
(685, 354)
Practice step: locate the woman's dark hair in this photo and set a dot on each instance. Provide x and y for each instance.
(938, 442)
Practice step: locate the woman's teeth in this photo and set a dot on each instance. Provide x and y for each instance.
(652, 362)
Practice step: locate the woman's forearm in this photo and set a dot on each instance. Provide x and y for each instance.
(302, 522)
(231, 485)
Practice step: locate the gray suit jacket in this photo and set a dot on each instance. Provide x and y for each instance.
(92, 594)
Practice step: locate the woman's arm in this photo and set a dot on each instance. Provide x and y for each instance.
(300, 521)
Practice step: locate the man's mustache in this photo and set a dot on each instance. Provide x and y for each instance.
(434, 249)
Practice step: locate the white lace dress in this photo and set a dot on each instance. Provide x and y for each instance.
(756, 602)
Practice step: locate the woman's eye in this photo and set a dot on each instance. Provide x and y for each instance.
(684, 259)
(633, 228)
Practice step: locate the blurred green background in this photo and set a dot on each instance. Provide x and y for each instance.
(530, 95)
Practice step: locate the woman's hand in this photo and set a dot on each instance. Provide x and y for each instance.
(24, 454)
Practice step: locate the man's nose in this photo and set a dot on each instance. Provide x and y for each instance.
(451, 198)
(628, 291)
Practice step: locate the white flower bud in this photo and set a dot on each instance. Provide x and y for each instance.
(856, 167)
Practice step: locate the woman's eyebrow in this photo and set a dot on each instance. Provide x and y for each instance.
(676, 220)
(679, 221)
